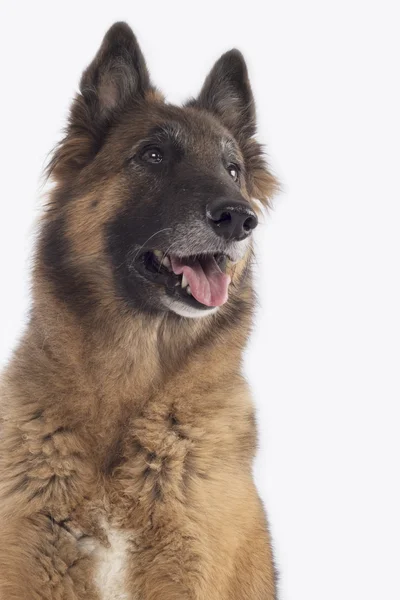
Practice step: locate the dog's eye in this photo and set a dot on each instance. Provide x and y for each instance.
(152, 155)
(233, 171)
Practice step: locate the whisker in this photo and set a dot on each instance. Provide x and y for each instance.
(164, 255)
(148, 239)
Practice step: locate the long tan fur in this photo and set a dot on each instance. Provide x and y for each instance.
(127, 439)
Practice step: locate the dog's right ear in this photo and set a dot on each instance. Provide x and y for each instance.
(117, 74)
(116, 77)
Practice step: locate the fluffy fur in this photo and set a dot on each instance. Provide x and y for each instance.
(127, 431)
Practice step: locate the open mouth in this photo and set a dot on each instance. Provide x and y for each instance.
(199, 281)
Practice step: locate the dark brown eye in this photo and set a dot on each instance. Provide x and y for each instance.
(233, 171)
(152, 155)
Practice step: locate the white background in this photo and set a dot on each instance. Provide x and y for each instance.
(324, 360)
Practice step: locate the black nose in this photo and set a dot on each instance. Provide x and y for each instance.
(231, 220)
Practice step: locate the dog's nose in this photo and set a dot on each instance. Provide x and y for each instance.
(232, 220)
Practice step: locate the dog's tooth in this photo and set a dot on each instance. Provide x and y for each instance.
(158, 254)
(166, 262)
(184, 281)
(189, 291)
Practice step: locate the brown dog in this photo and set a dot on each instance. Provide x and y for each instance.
(127, 431)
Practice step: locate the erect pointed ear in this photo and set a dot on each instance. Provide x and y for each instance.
(227, 93)
(116, 77)
(117, 74)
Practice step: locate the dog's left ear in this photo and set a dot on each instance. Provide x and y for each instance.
(227, 93)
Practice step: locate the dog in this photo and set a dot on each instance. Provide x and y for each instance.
(127, 428)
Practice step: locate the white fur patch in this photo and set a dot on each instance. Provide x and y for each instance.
(110, 570)
(184, 310)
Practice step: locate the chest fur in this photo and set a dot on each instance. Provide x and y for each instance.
(111, 564)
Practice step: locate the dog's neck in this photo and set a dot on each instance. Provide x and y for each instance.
(129, 357)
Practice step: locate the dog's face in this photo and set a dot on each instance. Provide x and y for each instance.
(186, 219)
(162, 195)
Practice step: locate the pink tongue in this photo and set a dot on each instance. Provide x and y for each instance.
(208, 284)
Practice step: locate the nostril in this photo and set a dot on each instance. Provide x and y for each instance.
(250, 223)
(223, 217)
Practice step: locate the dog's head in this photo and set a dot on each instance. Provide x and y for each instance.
(160, 199)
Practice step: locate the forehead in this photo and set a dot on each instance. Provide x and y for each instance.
(190, 129)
